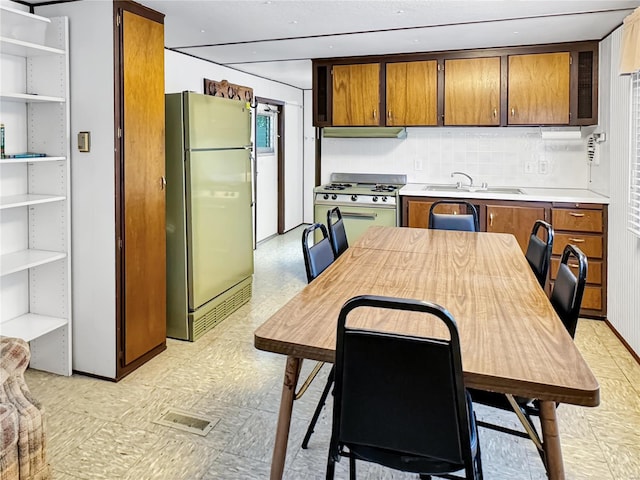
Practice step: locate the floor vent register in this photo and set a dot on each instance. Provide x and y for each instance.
(186, 421)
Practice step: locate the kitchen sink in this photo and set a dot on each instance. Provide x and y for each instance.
(507, 190)
(455, 188)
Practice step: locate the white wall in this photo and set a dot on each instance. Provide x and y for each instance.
(512, 156)
(183, 72)
(623, 302)
(92, 184)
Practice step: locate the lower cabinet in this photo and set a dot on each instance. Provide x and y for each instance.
(418, 211)
(515, 219)
(583, 225)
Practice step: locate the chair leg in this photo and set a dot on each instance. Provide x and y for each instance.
(331, 466)
(352, 467)
(478, 462)
(319, 407)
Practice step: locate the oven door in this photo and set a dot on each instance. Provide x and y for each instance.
(357, 218)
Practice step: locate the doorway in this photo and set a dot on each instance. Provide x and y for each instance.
(268, 169)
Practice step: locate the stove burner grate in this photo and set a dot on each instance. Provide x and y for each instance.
(383, 188)
(337, 186)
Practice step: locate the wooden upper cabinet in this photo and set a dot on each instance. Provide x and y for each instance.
(472, 91)
(356, 94)
(555, 84)
(539, 87)
(412, 93)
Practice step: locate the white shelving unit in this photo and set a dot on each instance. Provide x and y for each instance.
(35, 236)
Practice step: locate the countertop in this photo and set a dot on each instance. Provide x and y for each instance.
(565, 195)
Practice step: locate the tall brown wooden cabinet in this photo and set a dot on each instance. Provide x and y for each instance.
(140, 182)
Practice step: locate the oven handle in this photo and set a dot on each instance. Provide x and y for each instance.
(359, 215)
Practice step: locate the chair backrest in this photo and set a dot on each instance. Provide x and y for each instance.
(539, 251)
(318, 256)
(337, 233)
(568, 289)
(467, 222)
(398, 393)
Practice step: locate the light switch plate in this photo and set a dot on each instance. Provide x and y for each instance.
(84, 141)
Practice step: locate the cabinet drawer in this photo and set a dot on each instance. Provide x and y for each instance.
(576, 220)
(592, 298)
(594, 270)
(591, 245)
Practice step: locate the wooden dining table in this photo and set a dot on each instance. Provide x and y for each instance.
(511, 339)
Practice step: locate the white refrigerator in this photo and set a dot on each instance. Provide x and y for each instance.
(209, 217)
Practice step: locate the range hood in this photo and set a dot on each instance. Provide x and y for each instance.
(364, 132)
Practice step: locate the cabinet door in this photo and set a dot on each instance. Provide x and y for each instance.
(144, 196)
(472, 91)
(539, 89)
(412, 93)
(356, 94)
(515, 220)
(418, 211)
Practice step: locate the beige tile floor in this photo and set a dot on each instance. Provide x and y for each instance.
(103, 430)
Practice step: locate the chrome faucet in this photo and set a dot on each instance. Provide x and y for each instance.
(459, 184)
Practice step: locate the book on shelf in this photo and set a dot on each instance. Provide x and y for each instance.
(25, 155)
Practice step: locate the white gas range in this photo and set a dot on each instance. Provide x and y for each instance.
(364, 199)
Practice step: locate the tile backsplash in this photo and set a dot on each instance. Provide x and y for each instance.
(513, 156)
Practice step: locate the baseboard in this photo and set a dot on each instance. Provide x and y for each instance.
(624, 342)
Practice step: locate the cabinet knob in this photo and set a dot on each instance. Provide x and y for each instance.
(389, 114)
(513, 112)
(574, 214)
(495, 112)
(491, 219)
(577, 240)
(375, 113)
(163, 182)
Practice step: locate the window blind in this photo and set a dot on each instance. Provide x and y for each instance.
(634, 157)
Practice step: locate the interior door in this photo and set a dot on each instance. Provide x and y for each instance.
(266, 172)
(143, 259)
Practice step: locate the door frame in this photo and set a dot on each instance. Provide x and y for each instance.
(279, 104)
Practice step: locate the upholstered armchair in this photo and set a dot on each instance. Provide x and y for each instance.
(22, 443)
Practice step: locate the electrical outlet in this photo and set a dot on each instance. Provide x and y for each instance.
(543, 167)
(530, 166)
(417, 164)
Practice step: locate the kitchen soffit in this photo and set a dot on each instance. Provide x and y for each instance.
(277, 39)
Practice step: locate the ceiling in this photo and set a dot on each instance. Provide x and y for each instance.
(277, 39)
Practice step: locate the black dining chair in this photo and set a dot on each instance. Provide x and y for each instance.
(566, 299)
(338, 240)
(406, 409)
(337, 233)
(539, 250)
(466, 222)
(319, 256)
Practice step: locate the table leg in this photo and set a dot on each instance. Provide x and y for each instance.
(551, 440)
(291, 373)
